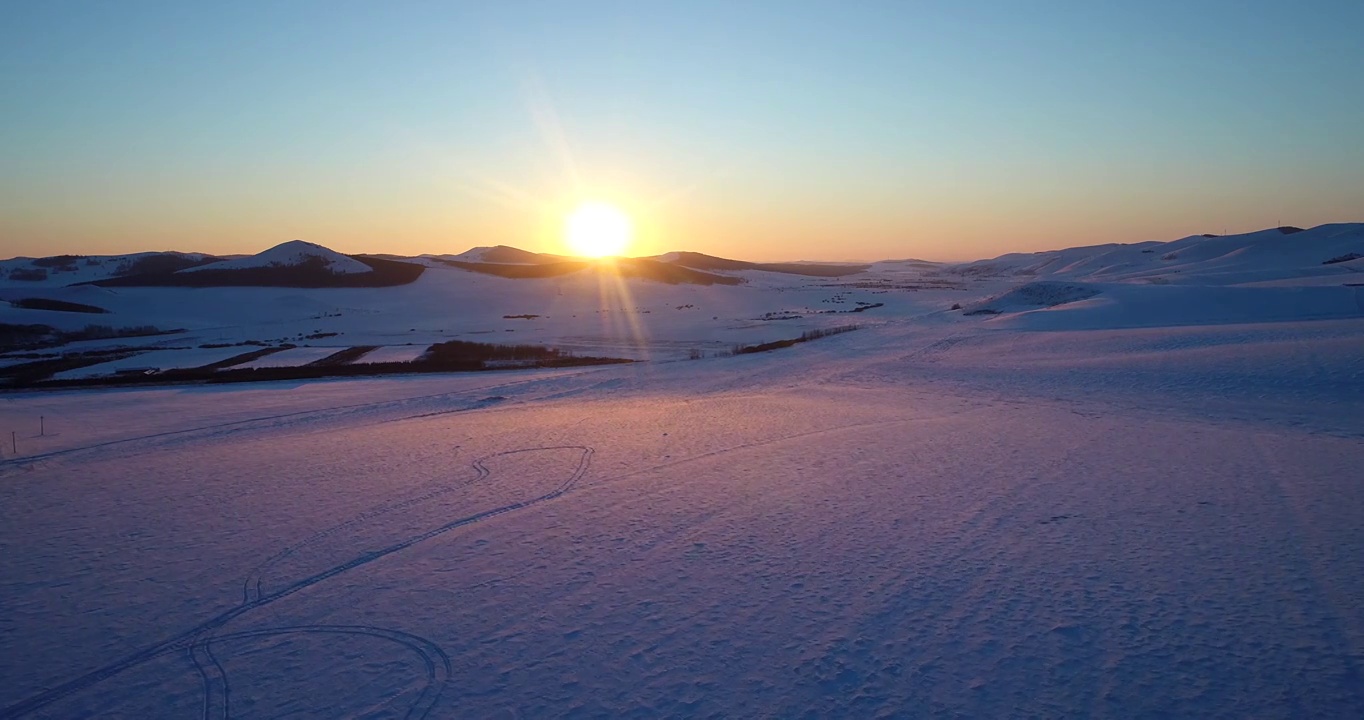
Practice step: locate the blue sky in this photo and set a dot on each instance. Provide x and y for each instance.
(765, 130)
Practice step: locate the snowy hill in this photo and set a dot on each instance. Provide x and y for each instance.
(59, 270)
(1275, 275)
(711, 263)
(295, 253)
(293, 264)
(609, 269)
(1273, 254)
(505, 255)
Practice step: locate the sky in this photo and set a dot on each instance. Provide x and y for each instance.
(757, 130)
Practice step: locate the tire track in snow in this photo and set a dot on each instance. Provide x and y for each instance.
(218, 700)
(1334, 611)
(251, 587)
(661, 538)
(197, 640)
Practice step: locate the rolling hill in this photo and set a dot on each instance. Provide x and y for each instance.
(291, 264)
(505, 255)
(295, 253)
(700, 261)
(639, 268)
(1265, 255)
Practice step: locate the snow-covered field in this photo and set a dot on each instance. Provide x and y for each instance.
(393, 353)
(168, 359)
(1096, 508)
(292, 357)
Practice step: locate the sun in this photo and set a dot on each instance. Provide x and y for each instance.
(597, 229)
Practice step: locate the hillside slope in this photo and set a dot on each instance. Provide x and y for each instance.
(1266, 255)
(295, 253)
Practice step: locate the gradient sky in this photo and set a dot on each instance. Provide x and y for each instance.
(759, 130)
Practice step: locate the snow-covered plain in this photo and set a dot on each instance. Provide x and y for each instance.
(1103, 513)
(393, 353)
(167, 359)
(292, 357)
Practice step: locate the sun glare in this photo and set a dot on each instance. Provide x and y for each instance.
(596, 229)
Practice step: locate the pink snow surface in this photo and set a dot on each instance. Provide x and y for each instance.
(900, 521)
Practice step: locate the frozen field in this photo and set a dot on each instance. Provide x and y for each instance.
(393, 353)
(163, 359)
(893, 521)
(293, 357)
(1144, 501)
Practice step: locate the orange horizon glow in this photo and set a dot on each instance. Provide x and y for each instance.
(943, 231)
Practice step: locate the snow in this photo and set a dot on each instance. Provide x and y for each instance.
(475, 254)
(1037, 294)
(1139, 503)
(504, 255)
(292, 357)
(85, 268)
(294, 252)
(166, 359)
(1172, 305)
(1222, 260)
(393, 353)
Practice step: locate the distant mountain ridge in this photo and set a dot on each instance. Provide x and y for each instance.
(701, 261)
(640, 268)
(1261, 256)
(505, 255)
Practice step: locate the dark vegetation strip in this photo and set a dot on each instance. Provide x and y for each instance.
(517, 272)
(344, 357)
(26, 374)
(812, 270)
(804, 337)
(459, 351)
(28, 337)
(65, 262)
(245, 357)
(671, 274)
(624, 267)
(311, 372)
(701, 261)
(453, 356)
(57, 305)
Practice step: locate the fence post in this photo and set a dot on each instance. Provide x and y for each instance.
(42, 428)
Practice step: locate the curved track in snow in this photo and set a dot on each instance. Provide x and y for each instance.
(197, 641)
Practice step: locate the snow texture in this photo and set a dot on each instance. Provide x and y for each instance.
(1144, 503)
(167, 359)
(81, 269)
(292, 357)
(393, 353)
